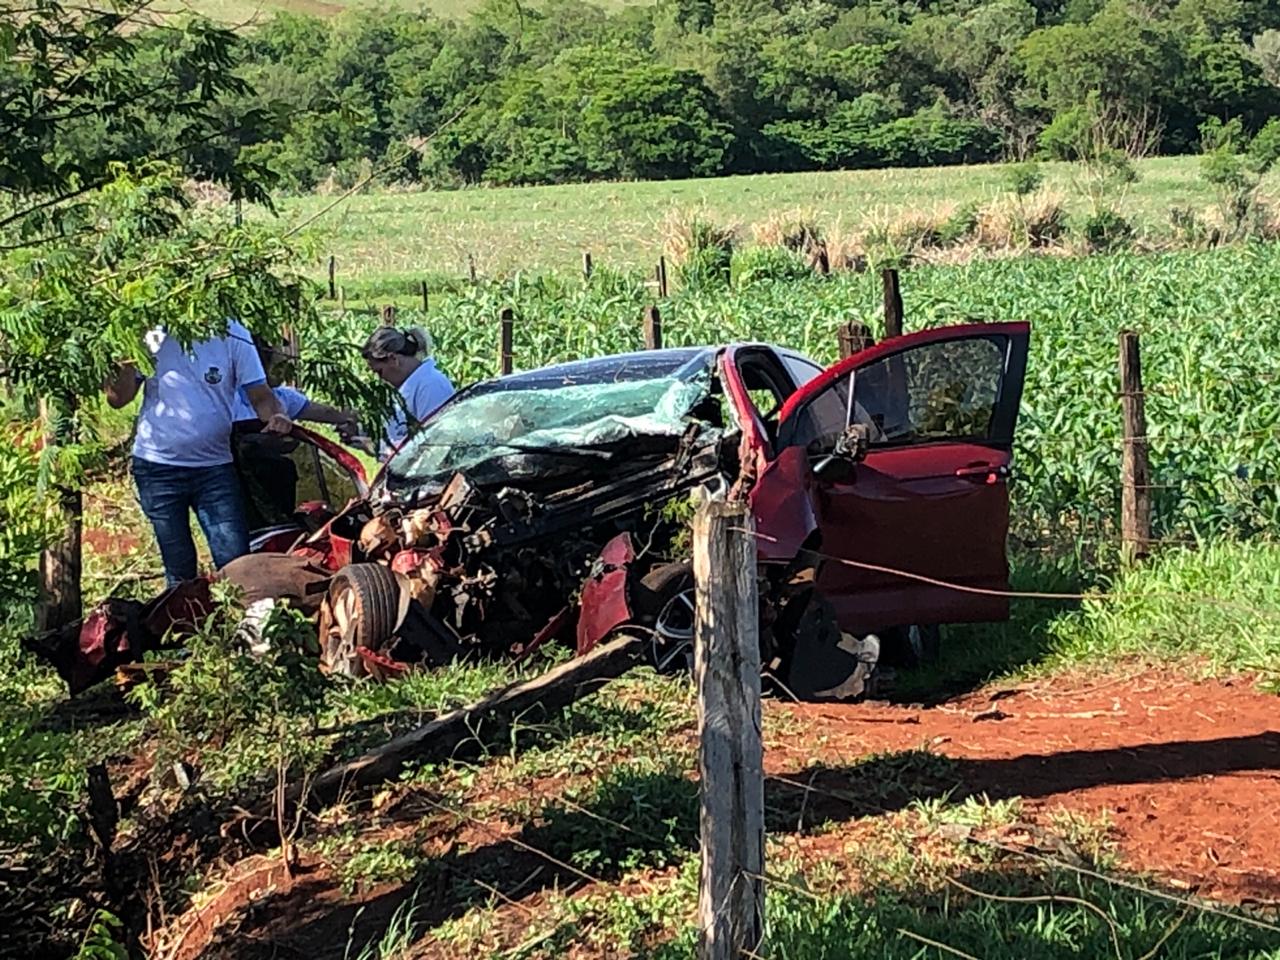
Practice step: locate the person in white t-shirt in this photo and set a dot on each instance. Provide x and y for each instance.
(182, 448)
(403, 359)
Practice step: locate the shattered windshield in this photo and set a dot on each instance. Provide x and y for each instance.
(571, 411)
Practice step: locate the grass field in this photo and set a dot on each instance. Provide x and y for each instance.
(535, 229)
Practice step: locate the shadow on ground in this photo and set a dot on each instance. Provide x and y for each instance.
(651, 820)
(971, 655)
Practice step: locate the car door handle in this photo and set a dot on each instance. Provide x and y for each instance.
(989, 473)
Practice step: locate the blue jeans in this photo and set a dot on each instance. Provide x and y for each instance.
(168, 494)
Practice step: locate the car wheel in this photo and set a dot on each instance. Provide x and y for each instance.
(362, 609)
(665, 611)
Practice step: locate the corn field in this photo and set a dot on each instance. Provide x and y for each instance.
(1210, 342)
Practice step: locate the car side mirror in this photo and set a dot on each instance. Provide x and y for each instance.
(853, 442)
(850, 449)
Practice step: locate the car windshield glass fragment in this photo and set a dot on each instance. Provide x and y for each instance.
(507, 418)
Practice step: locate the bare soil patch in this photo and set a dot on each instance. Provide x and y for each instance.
(1186, 772)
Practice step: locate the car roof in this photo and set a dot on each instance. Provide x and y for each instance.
(669, 361)
(642, 363)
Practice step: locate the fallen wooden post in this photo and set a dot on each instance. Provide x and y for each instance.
(457, 733)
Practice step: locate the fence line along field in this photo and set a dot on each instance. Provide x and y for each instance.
(1208, 364)
(537, 229)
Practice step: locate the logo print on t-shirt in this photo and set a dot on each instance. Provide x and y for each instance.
(213, 375)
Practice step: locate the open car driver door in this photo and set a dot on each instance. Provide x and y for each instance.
(292, 483)
(908, 447)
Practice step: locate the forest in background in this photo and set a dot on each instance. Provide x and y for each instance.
(569, 91)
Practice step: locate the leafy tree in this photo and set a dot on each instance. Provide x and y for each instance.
(1235, 164)
(655, 122)
(81, 84)
(96, 249)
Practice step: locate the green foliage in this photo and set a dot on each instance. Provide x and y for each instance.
(1025, 178)
(85, 89)
(1220, 601)
(237, 713)
(1234, 163)
(133, 258)
(1106, 230)
(28, 521)
(567, 91)
(959, 226)
(701, 249)
(40, 781)
(758, 264)
(660, 809)
(100, 941)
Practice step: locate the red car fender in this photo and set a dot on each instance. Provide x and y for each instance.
(605, 603)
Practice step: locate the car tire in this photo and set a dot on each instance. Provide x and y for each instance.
(362, 609)
(664, 609)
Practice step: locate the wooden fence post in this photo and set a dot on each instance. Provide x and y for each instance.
(471, 267)
(660, 273)
(426, 303)
(854, 338)
(586, 265)
(730, 748)
(389, 315)
(507, 319)
(892, 304)
(1135, 490)
(333, 278)
(61, 600)
(652, 328)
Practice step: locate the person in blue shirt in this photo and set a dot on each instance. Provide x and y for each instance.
(182, 447)
(296, 404)
(403, 359)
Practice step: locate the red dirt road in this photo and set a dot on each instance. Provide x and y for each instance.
(1187, 771)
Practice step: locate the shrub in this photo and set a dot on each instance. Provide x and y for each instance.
(755, 264)
(920, 229)
(796, 230)
(240, 714)
(1106, 229)
(959, 226)
(1035, 222)
(1025, 178)
(1235, 164)
(1189, 229)
(700, 249)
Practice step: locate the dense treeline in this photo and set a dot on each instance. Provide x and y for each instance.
(568, 91)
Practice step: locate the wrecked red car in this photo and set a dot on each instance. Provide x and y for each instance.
(550, 505)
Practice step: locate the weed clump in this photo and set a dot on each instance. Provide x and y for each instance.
(757, 264)
(236, 713)
(700, 249)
